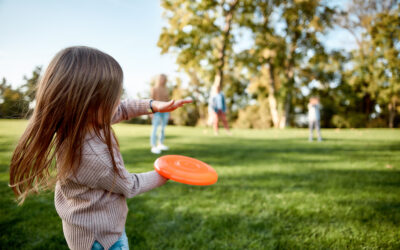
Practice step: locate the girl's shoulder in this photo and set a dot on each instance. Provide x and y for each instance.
(95, 152)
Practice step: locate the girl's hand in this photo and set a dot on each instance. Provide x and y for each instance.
(164, 107)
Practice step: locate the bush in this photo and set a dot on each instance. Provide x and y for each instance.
(254, 116)
(351, 120)
(377, 123)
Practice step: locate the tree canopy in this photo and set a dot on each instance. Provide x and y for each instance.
(286, 61)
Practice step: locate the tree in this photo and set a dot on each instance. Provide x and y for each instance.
(372, 23)
(285, 34)
(286, 58)
(188, 114)
(199, 33)
(385, 35)
(18, 102)
(31, 83)
(29, 88)
(12, 102)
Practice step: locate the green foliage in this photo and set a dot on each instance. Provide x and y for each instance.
(280, 56)
(374, 76)
(188, 114)
(385, 35)
(351, 120)
(286, 56)
(12, 102)
(29, 88)
(199, 34)
(278, 64)
(275, 191)
(255, 116)
(15, 103)
(191, 32)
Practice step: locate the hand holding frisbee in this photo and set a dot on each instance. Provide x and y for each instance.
(185, 170)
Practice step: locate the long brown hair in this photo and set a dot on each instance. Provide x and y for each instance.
(80, 89)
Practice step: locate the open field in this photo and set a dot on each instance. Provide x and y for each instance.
(275, 190)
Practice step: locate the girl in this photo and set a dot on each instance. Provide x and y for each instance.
(160, 93)
(76, 103)
(314, 118)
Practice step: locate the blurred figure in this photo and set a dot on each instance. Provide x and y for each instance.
(314, 117)
(159, 93)
(211, 113)
(218, 108)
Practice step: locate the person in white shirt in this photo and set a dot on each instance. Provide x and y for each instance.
(314, 117)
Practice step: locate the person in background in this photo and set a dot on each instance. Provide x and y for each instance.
(210, 110)
(159, 92)
(314, 117)
(218, 107)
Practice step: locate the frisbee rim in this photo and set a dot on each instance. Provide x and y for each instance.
(208, 178)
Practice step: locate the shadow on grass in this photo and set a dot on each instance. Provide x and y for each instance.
(242, 152)
(34, 225)
(244, 210)
(312, 181)
(273, 226)
(150, 227)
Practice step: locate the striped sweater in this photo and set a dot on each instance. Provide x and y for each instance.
(88, 210)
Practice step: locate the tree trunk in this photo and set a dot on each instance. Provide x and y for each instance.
(290, 82)
(392, 112)
(198, 94)
(273, 104)
(219, 76)
(285, 121)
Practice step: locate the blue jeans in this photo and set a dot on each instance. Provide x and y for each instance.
(121, 244)
(158, 119)
(314, 124)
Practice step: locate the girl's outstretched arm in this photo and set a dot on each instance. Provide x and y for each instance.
(130, 184)
(170, 106)
(130, 108)
(96, 172)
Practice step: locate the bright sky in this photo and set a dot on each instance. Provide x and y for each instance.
(32, 32)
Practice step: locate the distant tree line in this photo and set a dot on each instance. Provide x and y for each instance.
(269, 57)
(269, 82)
(16, 103)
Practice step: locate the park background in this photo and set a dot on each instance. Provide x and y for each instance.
(276, 190)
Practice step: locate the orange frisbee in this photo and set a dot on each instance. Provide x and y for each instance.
(186, 170)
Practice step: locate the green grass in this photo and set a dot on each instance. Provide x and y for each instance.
(275, 190)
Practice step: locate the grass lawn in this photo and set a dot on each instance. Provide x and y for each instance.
(275, 190)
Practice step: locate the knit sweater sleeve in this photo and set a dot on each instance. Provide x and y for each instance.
(96, 171)
(130, 184)
(129, 109)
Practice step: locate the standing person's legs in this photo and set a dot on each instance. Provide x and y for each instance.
(224, 121)
(155, 122)
(310, 126)
(164, 122)
(210, 120)
(216, 120)
(317, 127)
